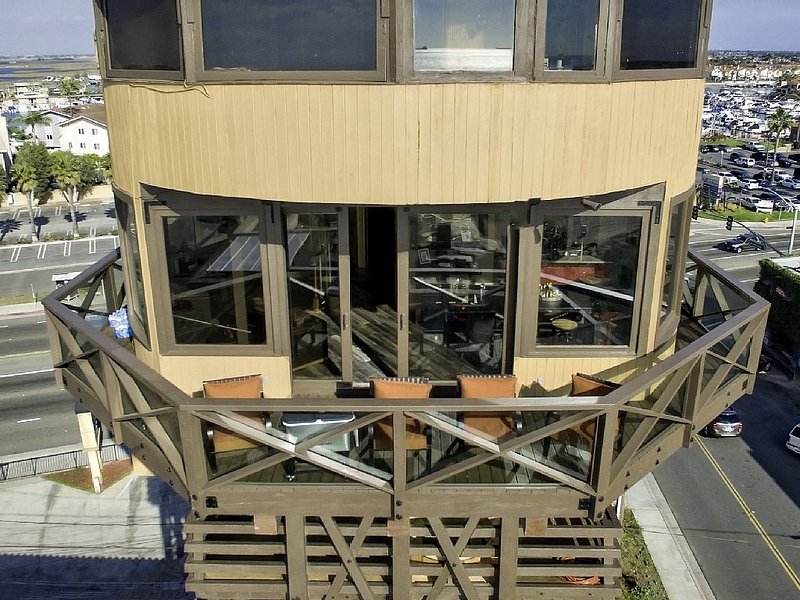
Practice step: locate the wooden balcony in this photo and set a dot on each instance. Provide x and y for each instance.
(317, 511)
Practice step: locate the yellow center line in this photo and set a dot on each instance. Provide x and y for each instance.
(750, 515)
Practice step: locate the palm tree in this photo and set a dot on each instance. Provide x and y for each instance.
(25, 181)
(69, 89)
(778, 122)
(33, 119)
(66, 173)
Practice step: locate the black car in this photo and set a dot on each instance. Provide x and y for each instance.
(744, 240)
(725, 424)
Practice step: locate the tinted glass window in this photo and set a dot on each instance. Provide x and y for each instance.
(660, 34)
(290, 35)
(671, 278)
(571, 36)
(464, 35)
(214, 269)
(130, 249)
(143, 35)
(796, 432)
(587, 286)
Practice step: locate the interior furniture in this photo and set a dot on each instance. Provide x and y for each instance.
(494, 424)
(305, 425)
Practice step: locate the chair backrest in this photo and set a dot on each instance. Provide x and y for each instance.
(401, 387)
(589, 385)
(481, 329)
(248, 386)
(487, 386)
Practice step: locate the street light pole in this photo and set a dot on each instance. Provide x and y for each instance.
(794, 227)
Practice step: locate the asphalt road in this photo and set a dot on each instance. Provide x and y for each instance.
(35, 414)
(741, 543)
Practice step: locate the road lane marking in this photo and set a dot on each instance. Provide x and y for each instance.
(15, 254)
(42, 250)
(26, 373)
(30, 420)
(750, 515)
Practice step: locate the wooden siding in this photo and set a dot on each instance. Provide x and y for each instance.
(405, 144)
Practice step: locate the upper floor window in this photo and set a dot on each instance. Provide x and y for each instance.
(81, 131)
(571, 35)
(97, 146)
(82, 145)
(94, 131)
(143, 35)
(289, 35)
(49, 136)
(464, 35)
(660, 34)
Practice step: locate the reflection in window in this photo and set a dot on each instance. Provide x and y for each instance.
(143, 35)
(464, 35)
(588, 279)
(457, 293)
(312, 253)
(131, 256)
(214, 269)
(290, 35)
(660, 34)
(571, 37)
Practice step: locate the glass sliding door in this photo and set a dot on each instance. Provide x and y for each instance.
(456, 293)
(314, 288)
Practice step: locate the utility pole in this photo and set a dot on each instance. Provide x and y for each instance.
(794, 227)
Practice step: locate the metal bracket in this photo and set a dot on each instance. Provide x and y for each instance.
(653, 204)
(148, 204)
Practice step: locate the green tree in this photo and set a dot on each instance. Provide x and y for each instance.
(104, 166)
(777, 123)
(33, 119)
(25, 181)
(69, 89)
(67, 174)
(37, 156)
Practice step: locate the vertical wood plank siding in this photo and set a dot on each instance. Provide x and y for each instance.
(405, 144)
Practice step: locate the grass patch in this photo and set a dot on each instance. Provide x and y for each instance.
(640, 580)
(8, 300)
(745, 215)
(81, 478)
(722, 140)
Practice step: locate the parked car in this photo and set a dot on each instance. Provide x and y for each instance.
(747, 183)
(744, 240)
(784, 162)
(792, 184)
(754, 146)
(744, 161)
(725, 424)
(793, 443)
(760, 205)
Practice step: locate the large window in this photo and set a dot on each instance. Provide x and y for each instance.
(571, 35)
(464, 35)
(289, 35)
(660, 34)
(588, 280)
(143, 35)
(215, 288)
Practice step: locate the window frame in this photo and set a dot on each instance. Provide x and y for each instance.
(667, 326)
(139, 323)
(160, 204)
(634, 203)
(604, 40)
(104, 49)
(197, 72)
(698, 71)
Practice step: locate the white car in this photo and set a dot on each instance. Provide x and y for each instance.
(792, 184)
(748, 184)
(793, 443)
(744, 161)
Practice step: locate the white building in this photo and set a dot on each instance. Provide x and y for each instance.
(83, 135)
(49, 133)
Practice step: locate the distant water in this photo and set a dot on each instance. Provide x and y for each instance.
(23, 71)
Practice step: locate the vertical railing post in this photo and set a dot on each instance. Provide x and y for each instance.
(399, 526)
(603, 460)
(194, 458)
(694, 385)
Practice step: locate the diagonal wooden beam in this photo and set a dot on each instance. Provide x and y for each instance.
(453, 559)
(348, 560)
(355, 546)
(461, 544)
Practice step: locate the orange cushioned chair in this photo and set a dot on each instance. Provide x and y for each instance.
(495, 425)
(417, 434)
(224, 440)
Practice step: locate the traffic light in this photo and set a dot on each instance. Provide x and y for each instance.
(729, 223)
(695, 212)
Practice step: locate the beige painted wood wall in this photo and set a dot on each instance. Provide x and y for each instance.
(405, 144)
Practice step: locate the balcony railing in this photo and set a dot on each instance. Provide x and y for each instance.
(588, 449)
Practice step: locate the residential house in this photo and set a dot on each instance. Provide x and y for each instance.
(49, 133)
(84, 135)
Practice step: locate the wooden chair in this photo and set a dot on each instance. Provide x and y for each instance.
(220, 439)
(493, 424)
(418, 435)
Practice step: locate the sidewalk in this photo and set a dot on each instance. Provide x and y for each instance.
(18, 310)
(676, 564)
(125, 543)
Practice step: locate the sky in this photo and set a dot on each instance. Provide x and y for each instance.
(67, 26)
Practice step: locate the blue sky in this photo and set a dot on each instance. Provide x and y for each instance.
(66, 26)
